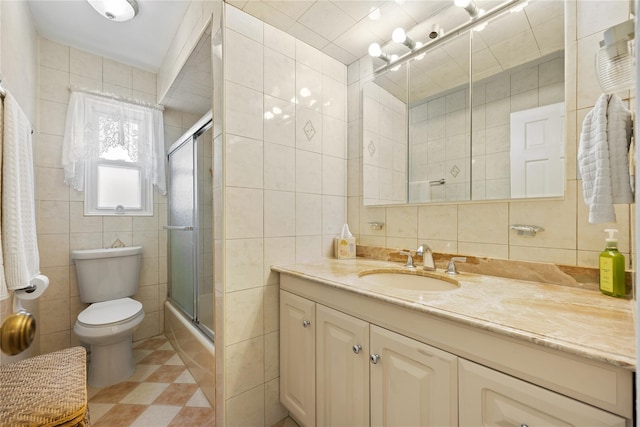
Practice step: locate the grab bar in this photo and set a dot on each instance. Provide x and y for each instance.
(178, 227)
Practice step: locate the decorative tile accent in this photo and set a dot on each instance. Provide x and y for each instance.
(309, 130)
(455, 170)
(372, 148)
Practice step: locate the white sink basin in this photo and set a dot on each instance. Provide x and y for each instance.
(412, 280)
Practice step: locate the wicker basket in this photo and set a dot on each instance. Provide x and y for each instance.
(47, 390)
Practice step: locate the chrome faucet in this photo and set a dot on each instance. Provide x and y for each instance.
(427, 257)
(409, 263)
(451, 269)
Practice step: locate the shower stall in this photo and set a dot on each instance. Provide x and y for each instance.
(190, 225)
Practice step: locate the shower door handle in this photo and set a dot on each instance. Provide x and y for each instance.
(178, 227)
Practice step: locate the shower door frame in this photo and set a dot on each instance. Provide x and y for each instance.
(199, 128)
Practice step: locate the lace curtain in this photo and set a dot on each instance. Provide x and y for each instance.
(101, 127)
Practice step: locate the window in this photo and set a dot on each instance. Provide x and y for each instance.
(118, 149)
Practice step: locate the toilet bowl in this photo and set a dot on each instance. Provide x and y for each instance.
(107, 327)
(107, 278)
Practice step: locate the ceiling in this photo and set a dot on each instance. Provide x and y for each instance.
(343, 29)
(141, 42)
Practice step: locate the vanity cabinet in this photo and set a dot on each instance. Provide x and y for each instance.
(298, 357)
(490, 398)
(412, 384)
(364, 375)
(342, 369)
(361, 360)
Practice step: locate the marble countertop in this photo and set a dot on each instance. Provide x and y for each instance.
(577, 321)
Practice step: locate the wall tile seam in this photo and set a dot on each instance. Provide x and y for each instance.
(41, 113)
(296, 63)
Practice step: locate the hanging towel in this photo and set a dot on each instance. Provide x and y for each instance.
(4, 293)
(19, 243)
(619, 137)
(603, 158)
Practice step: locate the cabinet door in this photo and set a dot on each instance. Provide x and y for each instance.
(412, 384)
(297, 357)
(490, 398)
(342, 369)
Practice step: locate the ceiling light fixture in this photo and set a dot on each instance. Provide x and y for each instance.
(399, 36)
(376, 51)
(115, 10)
(469, 6)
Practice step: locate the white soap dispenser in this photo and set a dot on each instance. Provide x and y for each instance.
(344, 246)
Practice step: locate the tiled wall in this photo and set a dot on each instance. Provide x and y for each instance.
(19, 69)
(61, 225)
(439, 148)
(285, 194)
(483, 228)
(385, 147)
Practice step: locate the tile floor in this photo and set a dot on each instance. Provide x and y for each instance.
(160, 393)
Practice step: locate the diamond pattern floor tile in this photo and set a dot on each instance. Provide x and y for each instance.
(161, 392)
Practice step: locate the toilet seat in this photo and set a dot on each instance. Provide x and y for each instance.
(109, 313)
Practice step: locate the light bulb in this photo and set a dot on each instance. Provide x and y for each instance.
(375, 50)
(398, 35)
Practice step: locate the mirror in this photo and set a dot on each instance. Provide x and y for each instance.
(385, 141)
(484, 114)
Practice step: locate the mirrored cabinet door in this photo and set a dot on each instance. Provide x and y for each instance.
(478, 116)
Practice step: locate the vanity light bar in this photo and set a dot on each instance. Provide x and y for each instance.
(481, 19)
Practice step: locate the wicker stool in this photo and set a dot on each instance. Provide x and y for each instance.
(46, 390)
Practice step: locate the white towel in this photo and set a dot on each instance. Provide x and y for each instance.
(619, 137)
(19, 243)
(4, 293)
(603, 158)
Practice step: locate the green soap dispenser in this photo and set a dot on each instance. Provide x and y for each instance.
(612, 276)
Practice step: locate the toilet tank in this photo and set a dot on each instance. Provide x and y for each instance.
(107, 274)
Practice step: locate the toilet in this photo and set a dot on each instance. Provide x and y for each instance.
(107, 278)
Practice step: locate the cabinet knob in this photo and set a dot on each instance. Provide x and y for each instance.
(357, 348)
(305, 323)
(374, 358)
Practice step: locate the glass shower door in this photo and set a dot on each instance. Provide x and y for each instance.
(191, 225)
(205, 299)
(182, 251)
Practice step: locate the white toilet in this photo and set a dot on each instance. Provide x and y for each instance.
(106, 280)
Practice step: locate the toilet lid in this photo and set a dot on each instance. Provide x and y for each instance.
(102, 313)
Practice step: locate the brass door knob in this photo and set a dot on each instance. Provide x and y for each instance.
(17, 332)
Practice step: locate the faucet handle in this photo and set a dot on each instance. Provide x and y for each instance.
(409, 263)
(451, 269)
(427, 257)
